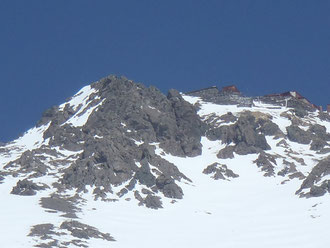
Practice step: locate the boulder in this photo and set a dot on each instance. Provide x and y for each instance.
(168, 187)
(27, 188)
(318, 144)
(298, 135)
(227, 152)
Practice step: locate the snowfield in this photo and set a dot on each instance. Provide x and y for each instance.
(248, 211)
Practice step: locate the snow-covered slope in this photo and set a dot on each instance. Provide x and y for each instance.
(121, 165)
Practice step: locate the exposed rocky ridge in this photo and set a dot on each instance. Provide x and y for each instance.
(247, 135)
(110, 148)
(106, 141)
(246, 132)
(227, 96)
(113, 145)
(314, 183)
(214, 95)
(130, 115)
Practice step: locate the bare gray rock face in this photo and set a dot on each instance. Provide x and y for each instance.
(149, 114)
(79, 233)
(229, 117)
(28, 162)
(320, 131)
(298, 135)
(1, 178)
(267, 127)
(190, 127)
(266, 162)
(168, 186)
(115, 140)
(320, 137)
(56, 203)
(324, 116)
(245, 134)
(318, 172)
(26, 187)
(227, 152)
(144, 175)
(42, 230)
(291, 170)
(224, 97)
(219, 171)
(153, 202)
(150, 200)
(318, 144)
(316, 135)
(83, 231)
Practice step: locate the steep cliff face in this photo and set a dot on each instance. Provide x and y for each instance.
(118, 148)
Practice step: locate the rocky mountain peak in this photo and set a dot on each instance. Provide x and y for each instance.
(121, 143)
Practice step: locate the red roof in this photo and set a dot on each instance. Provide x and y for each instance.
(231, 88)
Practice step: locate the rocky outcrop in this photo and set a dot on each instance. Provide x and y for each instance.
(27, 188)
(149, 115)
(267, 127)
(318, 144)
(83, 231)
(315, 176)
(298, 135)
(153, 202)
(76, 234)
(150, 200)
(319, 131)
(229, 95)
(114, 142)
(324, 116)
(245, 134)
(227, 152)
(190, 127)
(114, 164)
(290, 170)
(267, 163)
(219, 171)
(29, 162)
(316, 135)
(169, 188)
(56, 203)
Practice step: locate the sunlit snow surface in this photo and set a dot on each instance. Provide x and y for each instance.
(32, 139)
(81, 103)
(249, 211)
(80, 98)
(19, 213)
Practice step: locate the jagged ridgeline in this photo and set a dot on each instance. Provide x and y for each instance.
(112, 127)
(121, 142)
(112, 124)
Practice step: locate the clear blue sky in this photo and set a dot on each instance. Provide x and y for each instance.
(50, 49)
